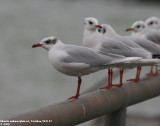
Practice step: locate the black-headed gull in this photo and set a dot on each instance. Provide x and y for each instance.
(142, 32)
(78, 60)
(93, 39)
(140, 29)
(137, 43)
(90, 36)
(153, 22)
(108, 31)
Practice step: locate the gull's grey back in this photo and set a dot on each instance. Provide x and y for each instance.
(118, 47)
(153, 35)
(146, 44)
(127, 41)
(85, 55)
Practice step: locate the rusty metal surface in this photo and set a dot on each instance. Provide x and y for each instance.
(93, 105)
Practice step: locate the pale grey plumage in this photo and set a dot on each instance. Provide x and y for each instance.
(118, 47)
(108, 31)
(77, 60)
(93, 39)
(146, 44)
(153, 22)
(86, 55)
(140, 29)
(153, 35)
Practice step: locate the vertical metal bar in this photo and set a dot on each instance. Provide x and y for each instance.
(117, 118)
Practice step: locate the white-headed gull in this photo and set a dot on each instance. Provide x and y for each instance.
(140, 45)
(93, 39)
(153, 22)
(78, 60)
(108, 31)
(140, 29)
(142, 32)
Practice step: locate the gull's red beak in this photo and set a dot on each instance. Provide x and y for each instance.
(129, 29)
(36, 45)
(98, 26)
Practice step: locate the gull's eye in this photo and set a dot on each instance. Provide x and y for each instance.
(104, 30)
(48, 41)
(90, 22)
(138, 26)
(54, 41)
(51, 41)
(99, 30)
(151, 23)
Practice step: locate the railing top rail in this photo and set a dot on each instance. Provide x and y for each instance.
(93, 105)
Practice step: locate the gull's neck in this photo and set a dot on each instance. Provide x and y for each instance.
(140, 33)
(111, 34)
(91, 39)
(46, 48)
(56, 46)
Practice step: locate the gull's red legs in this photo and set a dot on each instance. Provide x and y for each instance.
(155, 73)
(109, 79)
(137, 75)
(121, 79)
(78, 89)
(151, 71)
(110, 74)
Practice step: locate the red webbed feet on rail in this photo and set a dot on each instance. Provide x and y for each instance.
(137, 75)
(78, 89)
(74, 97)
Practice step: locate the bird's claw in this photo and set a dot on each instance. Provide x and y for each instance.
(106, 87)
(117, 85)
(134, 80)
(74, 97)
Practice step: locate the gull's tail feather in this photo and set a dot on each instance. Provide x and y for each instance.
(131, 62)
(154, 56)
(128, 62)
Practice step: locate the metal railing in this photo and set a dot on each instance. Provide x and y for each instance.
(112, 103)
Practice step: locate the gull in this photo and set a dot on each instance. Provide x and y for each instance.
(93, 39)
(140, 33)
(153, 23)
(141, 30)
(140, 45)
(78, 61)
(108, 31)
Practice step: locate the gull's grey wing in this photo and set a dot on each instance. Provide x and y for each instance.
(146, 44)
(78, 54)
(127, 41)
(85, 55)
(111, 54)
(154, 36)
(132, 44)
(117, 47)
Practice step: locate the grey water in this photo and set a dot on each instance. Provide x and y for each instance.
(27, 79)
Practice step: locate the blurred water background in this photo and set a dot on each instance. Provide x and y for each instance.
(27, 79)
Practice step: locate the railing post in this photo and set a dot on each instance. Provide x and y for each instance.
(117, 118)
